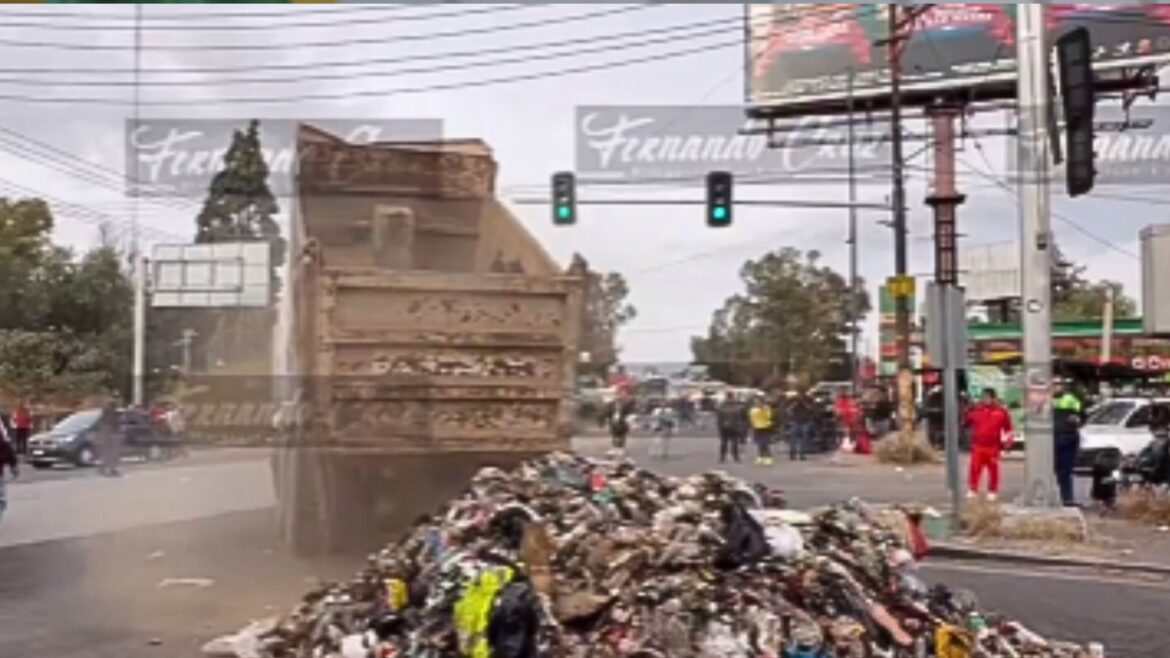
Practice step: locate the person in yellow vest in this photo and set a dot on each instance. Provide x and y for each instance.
(760, 416)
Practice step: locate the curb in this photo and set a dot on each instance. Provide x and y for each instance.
(947, 551)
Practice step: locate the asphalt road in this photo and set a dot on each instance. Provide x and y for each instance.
(157, 562)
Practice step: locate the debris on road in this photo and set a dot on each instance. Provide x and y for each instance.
(568, 557)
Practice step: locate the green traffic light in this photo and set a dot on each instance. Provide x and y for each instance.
(563, 212)
(719, 212)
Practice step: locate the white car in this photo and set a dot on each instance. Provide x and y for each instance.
(1121, 425)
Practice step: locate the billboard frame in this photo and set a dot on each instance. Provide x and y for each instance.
(1111, 76)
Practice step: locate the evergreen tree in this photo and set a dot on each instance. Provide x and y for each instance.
(239, 206)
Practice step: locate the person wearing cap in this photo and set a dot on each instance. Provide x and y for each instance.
(1066, 435)
(618, 417)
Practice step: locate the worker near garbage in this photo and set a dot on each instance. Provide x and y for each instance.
(991, 427)
(618, 416)
(1066, 435)
(760, 416)
(732, 417)
(109, 439)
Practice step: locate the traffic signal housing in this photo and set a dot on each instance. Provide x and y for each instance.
(1074, 56)
(719, 201)
(564, 201)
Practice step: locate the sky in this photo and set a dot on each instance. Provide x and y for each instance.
(679, 271)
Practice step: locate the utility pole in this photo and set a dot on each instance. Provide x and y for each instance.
(854, 309)
(139, 366)
(951, 316)
(894, 47)
(1036, 257)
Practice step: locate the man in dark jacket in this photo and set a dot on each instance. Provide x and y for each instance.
(935, 417)
(8, 462)
(800, 418)
(732, 418)
(617, 416)
(1066, 424)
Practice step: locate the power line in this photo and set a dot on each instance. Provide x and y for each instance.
(189, 25)
(213, 11)
(80, 212)
(1068, 222)
(335, 43)
(332, 76)
(367, 61)
(21, 98)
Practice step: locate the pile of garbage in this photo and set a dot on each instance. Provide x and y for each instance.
(573, 557)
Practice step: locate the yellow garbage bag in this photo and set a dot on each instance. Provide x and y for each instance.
(951, 642)
(395, 594)
(473, 611)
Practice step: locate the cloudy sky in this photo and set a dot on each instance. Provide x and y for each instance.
(72, 150)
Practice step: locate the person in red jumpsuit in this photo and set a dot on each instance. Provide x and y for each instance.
(991, 429)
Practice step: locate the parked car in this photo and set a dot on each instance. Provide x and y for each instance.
(1121, 426)
(74, 440)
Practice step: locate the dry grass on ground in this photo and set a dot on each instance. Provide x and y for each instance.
(1151, 507)
(985, 520)
(905, 451)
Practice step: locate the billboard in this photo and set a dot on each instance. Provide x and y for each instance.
(800, 54)
(228, 274)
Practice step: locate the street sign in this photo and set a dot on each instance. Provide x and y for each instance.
(901, 286)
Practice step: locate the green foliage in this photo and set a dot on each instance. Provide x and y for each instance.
(1076, 298)
(792, 318)
(606, 310)
(66, 328)
(239, 206)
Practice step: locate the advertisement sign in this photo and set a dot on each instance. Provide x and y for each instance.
(805, 53)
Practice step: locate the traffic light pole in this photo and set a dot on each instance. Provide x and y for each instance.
(1035, 257)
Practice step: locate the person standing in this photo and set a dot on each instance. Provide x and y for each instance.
(109, 439)
(760, 417)
(22, 422)
(991, 427)
(618, 417)
(9, 462)
(935, 417)
(1066, 434)
(732, 419)
(800, 414)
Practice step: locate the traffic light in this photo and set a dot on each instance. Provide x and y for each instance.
(564, 201)
(1074, 55)
(719, 198)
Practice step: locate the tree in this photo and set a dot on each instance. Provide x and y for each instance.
(66, 331)
(792, 319)
(239, 206)
(1076, 298)
(606, 311)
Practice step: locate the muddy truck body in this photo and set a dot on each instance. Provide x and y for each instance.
(427, 335)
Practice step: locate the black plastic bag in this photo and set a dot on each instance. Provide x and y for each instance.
(743, 539)
(514, 621)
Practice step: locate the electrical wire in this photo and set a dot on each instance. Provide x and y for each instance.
(381, 40)
(318, 63)
(214, 11)
(332, 76)
(190, 25)
(81, 212)
(367, 93)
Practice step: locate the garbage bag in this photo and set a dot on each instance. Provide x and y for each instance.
(744, 539)
(514, 621)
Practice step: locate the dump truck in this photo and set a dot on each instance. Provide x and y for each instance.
(427, 335)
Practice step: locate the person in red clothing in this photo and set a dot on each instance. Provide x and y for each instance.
(991, 428)
(22, 422)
